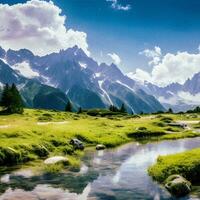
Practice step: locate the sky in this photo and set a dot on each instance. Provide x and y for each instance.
(146, 38)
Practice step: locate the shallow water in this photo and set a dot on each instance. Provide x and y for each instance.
(117, 174)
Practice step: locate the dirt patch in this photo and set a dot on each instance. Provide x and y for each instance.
(47, 123)
(189, 122)
(4, 126)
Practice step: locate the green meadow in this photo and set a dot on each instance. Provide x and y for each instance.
(38, 134)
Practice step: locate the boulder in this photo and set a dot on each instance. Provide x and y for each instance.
(177, 185)
(77, 144)
(100, 147)
(56, 160)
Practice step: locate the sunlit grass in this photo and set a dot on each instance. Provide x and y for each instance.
(30, 138)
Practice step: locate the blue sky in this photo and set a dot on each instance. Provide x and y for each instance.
(173, 25)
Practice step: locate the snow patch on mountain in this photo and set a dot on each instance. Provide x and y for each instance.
(4, 60)
(83, 65)
(47, 81)
(25, 70)
(125, 85)
(97, 75)
(104, 92)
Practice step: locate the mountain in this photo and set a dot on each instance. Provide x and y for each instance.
(34, 93)
(193, 85)
(179, 97)
(85, 82)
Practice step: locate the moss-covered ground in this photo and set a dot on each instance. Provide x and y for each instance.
(186, 164)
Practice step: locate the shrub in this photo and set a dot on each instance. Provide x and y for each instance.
(166, 119)
(159, 124)
(57, 142)
(145, 133)
(40, 150)
(9, 156)
(142, 128)
(53, 169)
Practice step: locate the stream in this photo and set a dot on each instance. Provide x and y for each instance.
(113, 174)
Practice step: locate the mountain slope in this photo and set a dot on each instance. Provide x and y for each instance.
(34, 93)
(177, 96)
(82, 79)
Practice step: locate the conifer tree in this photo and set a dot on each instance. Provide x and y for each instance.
(113, 108)
(170, 110)
(79, 110)
(11, 100)
(123, 109)
(5, 98)
(69, 107)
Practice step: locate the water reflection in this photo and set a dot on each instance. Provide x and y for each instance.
(45, 192)
(118, 174)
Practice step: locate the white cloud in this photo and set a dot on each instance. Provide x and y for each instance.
(154, 54)
(115, 5)
(189, 98)
(25, 69)
(172, 100)
(39, 26)
(115, 58)
(171, 68)
(180, 98)
(140, 75)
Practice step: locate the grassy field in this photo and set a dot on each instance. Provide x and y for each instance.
(186, 164)
(37, 134)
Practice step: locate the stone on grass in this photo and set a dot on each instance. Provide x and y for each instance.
(100, 147)
(56, 160)
(77, 144)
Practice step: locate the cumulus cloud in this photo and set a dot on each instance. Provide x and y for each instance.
(170, 68)
(140, 75)
(117, 6)
(115, 58)
(189, 98)
(153, 54)
(39, 26)
(172, 100)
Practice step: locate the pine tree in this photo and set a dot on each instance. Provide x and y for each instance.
(68, 107)
(170, 110)
(113, 108)
(197, 109)
(79, 110)
(16, 100)
(123, 109)
(6, 96)
(11, 100)
(132, 113)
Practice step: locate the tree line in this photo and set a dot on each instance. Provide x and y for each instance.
(12, 102)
